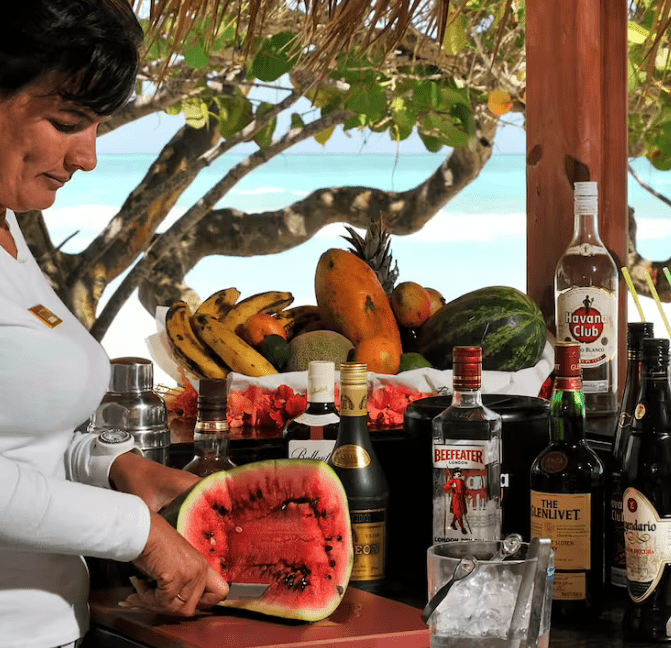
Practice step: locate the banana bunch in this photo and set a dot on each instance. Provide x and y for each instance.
(209, 341)
(299, 319)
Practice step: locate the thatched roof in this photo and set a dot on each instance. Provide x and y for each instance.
(331, 26)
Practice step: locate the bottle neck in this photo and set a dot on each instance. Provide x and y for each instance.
(317, 408)
(467, 398)
(586, 229)
(567, 415)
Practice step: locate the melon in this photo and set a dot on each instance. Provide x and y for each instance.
(282, 522)
(504, 321)
(317, 345)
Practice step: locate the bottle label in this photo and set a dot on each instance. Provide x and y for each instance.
(311, 449)
(463, 506)
(618, 566)
(368, 538)
(321, 420)
(588, 315)
(566, 520)
(647, 540)
(350, 456)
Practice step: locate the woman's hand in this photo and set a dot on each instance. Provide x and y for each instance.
(156, 484)
(181, 581)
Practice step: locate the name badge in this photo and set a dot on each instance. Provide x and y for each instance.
(46, 316)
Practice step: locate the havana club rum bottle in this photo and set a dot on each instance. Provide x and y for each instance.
(615, 554)
(466, 459)
(312, 434)
(355, 462)
(646, 479)
(567, 497)
(586, 289)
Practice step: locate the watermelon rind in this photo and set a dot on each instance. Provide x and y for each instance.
(283, 522)
(504, 321)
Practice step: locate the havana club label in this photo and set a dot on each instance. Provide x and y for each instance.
(463, 507)
(647, 541)
(588, 315)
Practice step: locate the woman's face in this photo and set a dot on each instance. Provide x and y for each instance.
(43, 141)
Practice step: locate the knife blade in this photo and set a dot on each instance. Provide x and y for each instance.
(246, 591)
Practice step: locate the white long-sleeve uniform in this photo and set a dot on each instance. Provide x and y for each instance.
(51, 380)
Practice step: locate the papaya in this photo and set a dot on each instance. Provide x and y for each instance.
(352, 302)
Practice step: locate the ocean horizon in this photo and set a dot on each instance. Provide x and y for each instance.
(478, 239)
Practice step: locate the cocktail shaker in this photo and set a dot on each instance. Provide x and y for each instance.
(132, 404)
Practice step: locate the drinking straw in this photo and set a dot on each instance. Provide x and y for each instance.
(632, 290)
(667, 274)
(653, 291)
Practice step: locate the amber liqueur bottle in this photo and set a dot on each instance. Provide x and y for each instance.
(646, 479)
(211, 434)
(358, 467)
(567, 497)
(466, 458)
(586, 294)
(616, 568)
(312, 434)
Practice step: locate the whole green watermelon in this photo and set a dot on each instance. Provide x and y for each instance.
(504, 321)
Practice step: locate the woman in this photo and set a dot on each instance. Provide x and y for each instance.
(65, 65)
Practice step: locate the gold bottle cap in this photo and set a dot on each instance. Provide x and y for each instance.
(353, 373)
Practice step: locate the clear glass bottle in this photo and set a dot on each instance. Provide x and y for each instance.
(466, 458)
(646, 480)
(358, 467)
(312, 434)
(615, 554)
(586, 309)
(567, 497)
(210, 435)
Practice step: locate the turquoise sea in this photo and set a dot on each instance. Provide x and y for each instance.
(476, 240)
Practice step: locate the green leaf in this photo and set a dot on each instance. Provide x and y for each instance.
(360, 121)
(175, 109)
(234, 114)
(297, 121)
(456, 35)
(196, 113)
(370, 101)
(636, 34)
(324, 136)
(427, 95)
(274, 59)
(265, 136)
(196, 57)
(432, 144)
(404, 117)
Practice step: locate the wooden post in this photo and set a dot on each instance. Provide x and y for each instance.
(576, 123)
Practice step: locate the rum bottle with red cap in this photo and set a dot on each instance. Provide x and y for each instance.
(466, 458)
(567, 496)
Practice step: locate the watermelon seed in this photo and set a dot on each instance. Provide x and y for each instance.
(332, 563)
(238, 529)
(221, 509)
(328, 548)
(341, 589)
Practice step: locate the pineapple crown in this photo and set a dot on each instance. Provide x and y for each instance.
(375, 250)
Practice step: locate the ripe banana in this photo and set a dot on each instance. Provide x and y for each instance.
(230, 347)
(272, 301)
(187, 347)
(295, 319)
(219, 303)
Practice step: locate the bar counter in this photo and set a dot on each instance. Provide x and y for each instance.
(362, 620)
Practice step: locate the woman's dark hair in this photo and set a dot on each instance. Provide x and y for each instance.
(93, 45)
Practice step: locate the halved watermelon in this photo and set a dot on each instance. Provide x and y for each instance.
(283, 522)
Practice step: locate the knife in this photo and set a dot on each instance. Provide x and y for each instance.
(246, 591)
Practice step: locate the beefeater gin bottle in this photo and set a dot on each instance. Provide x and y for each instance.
(586, 306)
(466, 459)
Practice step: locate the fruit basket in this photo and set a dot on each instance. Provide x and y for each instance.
(269, 402)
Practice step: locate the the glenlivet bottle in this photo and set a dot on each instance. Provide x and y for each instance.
(211, 435)
(567, 497)
(646, 479)
(466, 458)
(312, 434)
(358, 467)
(586, 300)
(616, 568)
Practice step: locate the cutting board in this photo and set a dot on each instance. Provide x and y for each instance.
(362, 620)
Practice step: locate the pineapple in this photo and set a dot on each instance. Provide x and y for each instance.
(375, 250)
